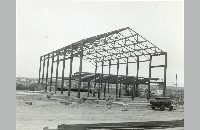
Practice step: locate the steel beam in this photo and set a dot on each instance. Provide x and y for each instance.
(158, 66)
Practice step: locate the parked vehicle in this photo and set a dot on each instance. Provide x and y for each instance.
(162, 103)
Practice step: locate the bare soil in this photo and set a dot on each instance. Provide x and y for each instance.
(51, 112)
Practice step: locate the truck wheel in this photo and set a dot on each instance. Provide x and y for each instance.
(153, 107)
(162, 108)
(170, 108)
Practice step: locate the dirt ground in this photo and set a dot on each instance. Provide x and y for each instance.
(51, 112)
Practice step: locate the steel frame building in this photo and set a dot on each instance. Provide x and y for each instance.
(103, 50)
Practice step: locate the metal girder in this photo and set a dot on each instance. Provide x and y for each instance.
(112, 46)
(109, 46)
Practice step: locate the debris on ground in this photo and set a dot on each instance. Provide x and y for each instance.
(48, 96)
(68, 103)
(125, 109)
(70, 110)
(29, 103)
(109, 106)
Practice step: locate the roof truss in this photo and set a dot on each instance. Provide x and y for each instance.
(118, 44)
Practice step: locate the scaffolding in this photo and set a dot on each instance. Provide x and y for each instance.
(104, 50)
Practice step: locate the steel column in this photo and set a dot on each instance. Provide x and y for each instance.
(99, 94)
(63, 72)
(39, 70)
(133, 90)
(126, 91)
(56, 84)
(117, 77)
(51, 71)
(95, 74)
(47, 73)
(88, 88)
(102, 74)
(120, 87)
(149, 83)
(80, 69)
(109, 74)
(165, 71)
(43, 70)
(70, 72)
(104, 90)
(138, 66)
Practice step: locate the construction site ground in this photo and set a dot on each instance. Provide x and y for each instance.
(36, 110)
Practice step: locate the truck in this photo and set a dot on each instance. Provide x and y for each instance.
(162, 103)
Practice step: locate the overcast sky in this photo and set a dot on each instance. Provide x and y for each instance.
(44, 26)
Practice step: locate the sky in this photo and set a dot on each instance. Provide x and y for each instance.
(43, 26)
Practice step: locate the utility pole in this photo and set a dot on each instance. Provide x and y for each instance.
(176, 81)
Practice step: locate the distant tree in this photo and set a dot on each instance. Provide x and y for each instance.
(20, 87)
(32, 86)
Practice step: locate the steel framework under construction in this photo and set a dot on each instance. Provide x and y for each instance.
(108, 49)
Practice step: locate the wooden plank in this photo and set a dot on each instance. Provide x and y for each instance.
(89, 78)
(157, 82)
